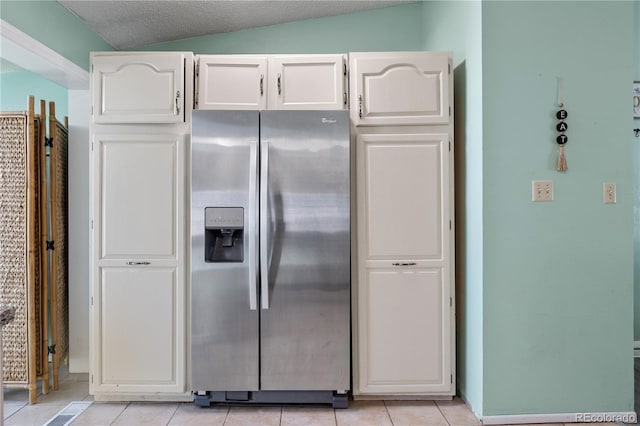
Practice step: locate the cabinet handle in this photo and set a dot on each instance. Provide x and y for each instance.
(404, 264)
(131, 263)
(261, 84)
(177, 102)
(279, 84)
(360, 105)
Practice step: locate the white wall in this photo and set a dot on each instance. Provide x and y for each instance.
(79, 101)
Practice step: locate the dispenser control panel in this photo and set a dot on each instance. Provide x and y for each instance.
(224, 217)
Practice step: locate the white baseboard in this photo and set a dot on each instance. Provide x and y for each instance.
(402, 397)
(610, 417)
(463, 397)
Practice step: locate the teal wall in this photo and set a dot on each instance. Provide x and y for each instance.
(558, 277)
(457, 27)
(636, 38)
(394, 28)
(16, 86)
(636, 155)
(52, 25)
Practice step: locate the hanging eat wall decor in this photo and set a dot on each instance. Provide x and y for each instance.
(636, 99)
(561, 127)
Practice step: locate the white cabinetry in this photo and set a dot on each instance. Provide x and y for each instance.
(139, 296)
(139, 88)
(231, 82)
(271, 82)
(403, 287)
(138, 343)
(405, 317)
(386, 90)
(307, 82)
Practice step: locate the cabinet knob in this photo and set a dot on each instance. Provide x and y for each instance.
(261, 84)
(360, 106)
(404, 264)
(279, 84)
(178, 102)
(133, 262)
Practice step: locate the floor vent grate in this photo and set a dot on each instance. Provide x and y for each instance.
(68, 413)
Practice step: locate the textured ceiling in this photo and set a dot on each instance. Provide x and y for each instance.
(128, 24)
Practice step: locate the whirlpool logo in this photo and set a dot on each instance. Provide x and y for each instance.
(329, 120)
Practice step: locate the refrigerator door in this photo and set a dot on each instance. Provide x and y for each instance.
(305, 250)
(224, 323)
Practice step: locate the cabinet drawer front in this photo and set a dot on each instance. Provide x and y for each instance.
(306, 82)
(231, 82)
(405, 339)
(138, 196)
(147, 88)
(400, 89)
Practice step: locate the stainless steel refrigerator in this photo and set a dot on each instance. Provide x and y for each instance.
(270, 257)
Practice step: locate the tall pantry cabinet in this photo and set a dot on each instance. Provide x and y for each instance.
(141, 112)
(401, 111)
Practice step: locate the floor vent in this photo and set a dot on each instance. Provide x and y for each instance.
(68, 413)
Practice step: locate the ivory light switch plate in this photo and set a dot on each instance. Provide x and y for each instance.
(542, 190)
(609, 192)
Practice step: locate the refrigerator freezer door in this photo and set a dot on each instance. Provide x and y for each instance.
(224, 322)
(305, 331)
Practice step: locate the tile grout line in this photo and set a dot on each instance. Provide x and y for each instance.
(118, 416)
(226, 416)
(335, 417)
(442, 412)
(12, 414)
(174, 413)
(384, 402)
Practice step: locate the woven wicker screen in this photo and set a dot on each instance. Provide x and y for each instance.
(59, 234)
(13, 245)
(40, 291)
(24, 357)
(29, 249)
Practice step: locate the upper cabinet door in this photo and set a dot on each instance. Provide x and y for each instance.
(307, 82)
(403, 88)
(140, 88)
(231, 82)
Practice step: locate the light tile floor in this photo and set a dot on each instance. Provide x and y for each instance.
(75, 387)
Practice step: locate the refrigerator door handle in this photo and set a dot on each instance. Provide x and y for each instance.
(253, 243)
(264, 258)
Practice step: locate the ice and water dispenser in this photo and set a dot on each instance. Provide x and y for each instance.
(224, 234)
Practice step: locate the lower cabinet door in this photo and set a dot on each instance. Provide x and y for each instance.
(405, 331)
(140, 339)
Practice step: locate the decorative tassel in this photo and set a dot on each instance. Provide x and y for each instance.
(562, 160)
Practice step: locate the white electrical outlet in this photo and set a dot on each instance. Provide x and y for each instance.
(542, 190)
(609, 192)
